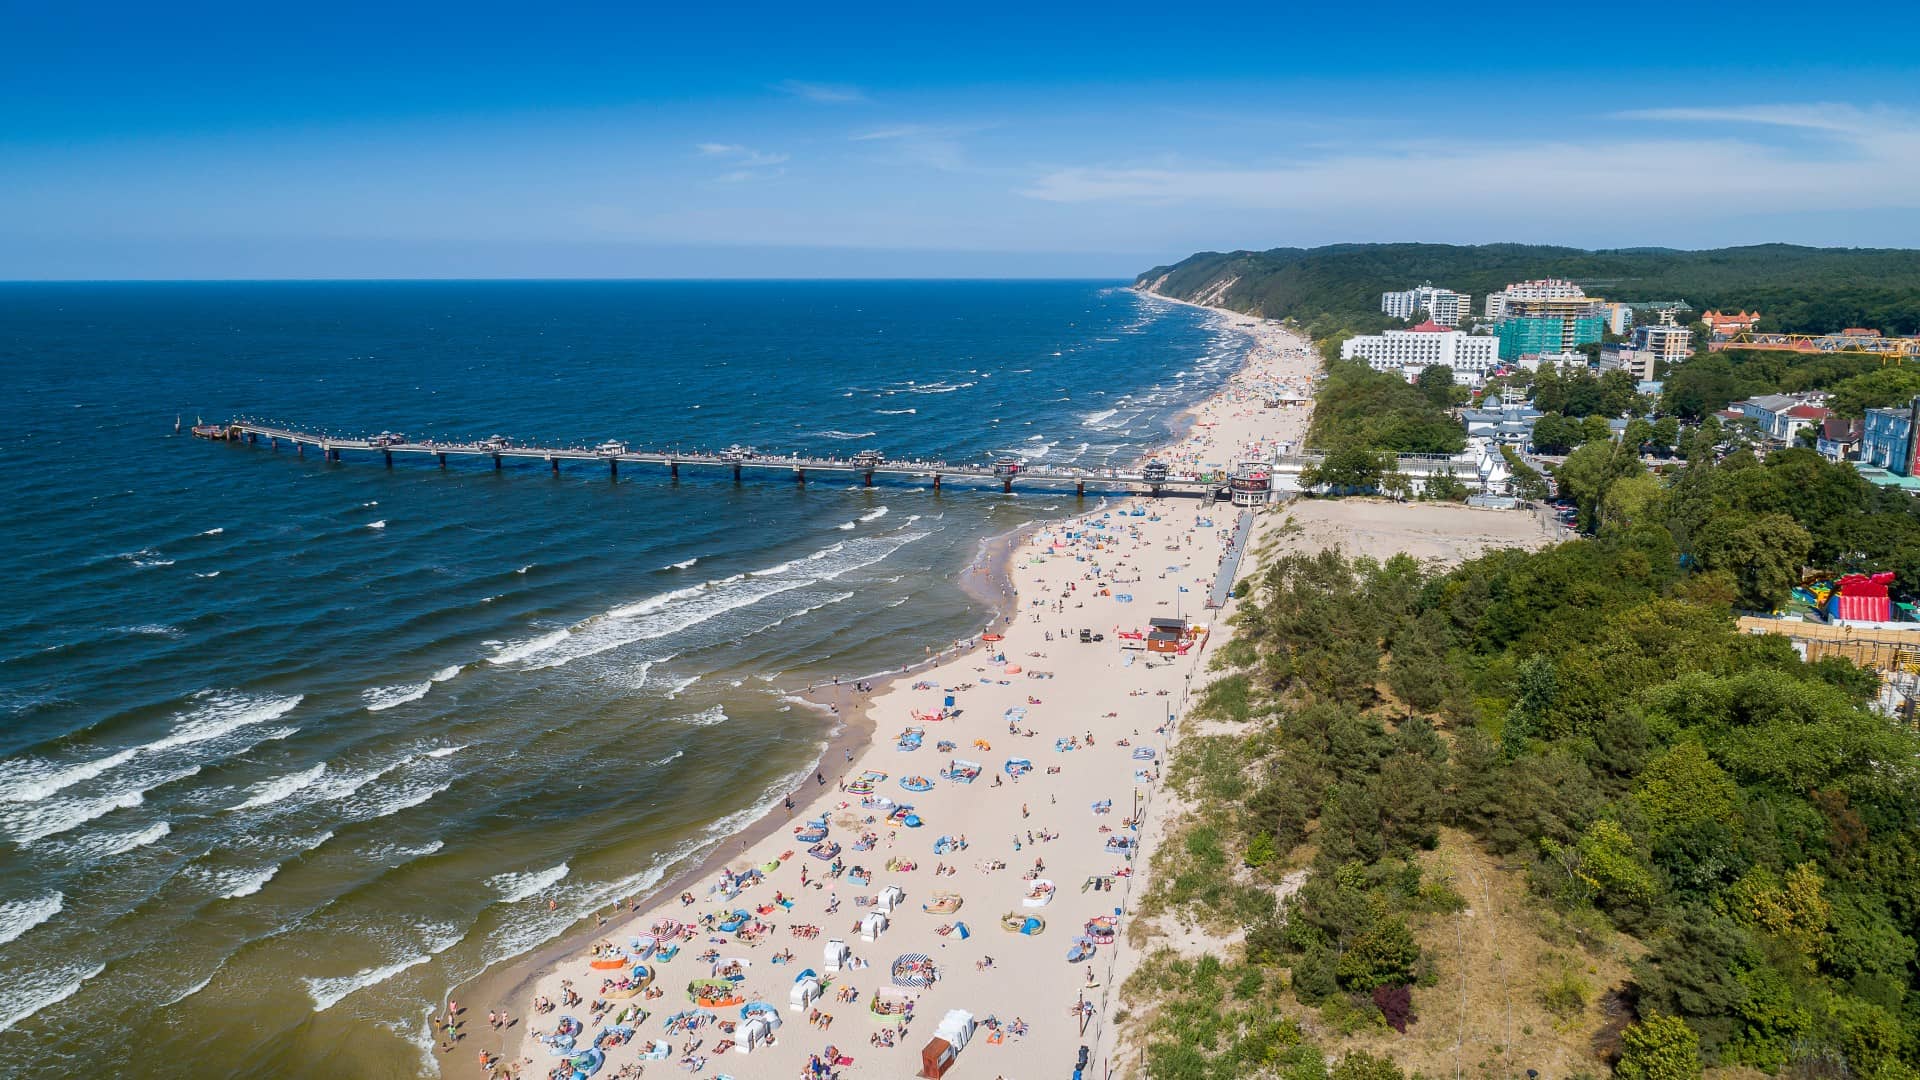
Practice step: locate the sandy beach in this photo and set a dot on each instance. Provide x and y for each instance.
(891, 852)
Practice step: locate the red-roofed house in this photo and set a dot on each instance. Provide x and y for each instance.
(1727, 324)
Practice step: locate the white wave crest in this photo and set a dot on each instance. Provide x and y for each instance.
(212, 532)
(520, 650)
(31, 780)
(19, 916)
(447, 751)
(125, 842)
(380, 698)
(896, 412)
(682, 609)
(272, 791)
(847, 526)
(514, 888)
(37, 821)
(26, 996)
(326, 993)
(447, 673)
(684, 564)
(830, 434)
(246, 883)
(875, 514)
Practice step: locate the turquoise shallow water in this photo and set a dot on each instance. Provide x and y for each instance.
(287, 748)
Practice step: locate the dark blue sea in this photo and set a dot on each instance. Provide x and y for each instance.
(288, 747)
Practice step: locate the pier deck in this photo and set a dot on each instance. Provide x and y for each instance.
(797, 467)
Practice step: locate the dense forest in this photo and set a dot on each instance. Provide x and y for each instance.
(1798, 289)
(1589, 715)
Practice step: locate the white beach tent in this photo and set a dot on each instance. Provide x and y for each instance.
(888, 897)
(755, 1032)
(806, 990)
(837, 953)
(872, 925)
(956, 1027)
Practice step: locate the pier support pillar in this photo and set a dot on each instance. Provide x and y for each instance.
(673, 469)
(273, 443)
(1080, 489)
(736, 474)
(936, 481)
(613, 468)
(443, 460)
(555, 462)
(799, 476)
(389, 456)
(301, 448)
(496, 463)
(869, 477)
(1006, 486)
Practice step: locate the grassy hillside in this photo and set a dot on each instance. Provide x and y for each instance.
(1798, 288)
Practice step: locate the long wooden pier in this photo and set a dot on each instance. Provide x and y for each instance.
(798, 467)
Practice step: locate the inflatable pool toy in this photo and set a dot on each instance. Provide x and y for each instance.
(916, 783)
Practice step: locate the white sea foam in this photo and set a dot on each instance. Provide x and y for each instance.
(37, 821)
(401, 854)
(705, 717)
(896, 412)
(405, 800)
(380, 698)
(144, 559)
(326, 993)
(831, 434)
(248, 882)
(848, 526)
(520, 650)
(19, 916)
(514, 888)
(187, 993)
(682, 609)
(875, 514)
(152, 630)
(220, 713)
(272, 791)
(25, 996)
(669, 759)
(32, 779)
(446, 673)
(122, 843)
(447, 751)
(680, 685)
(685, 564)
(209, 574)
(525, 568)
(212, 532)
(376, 524)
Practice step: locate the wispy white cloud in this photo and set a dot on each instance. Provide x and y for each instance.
(824, 93)
(1837, 118)
(747, 163)
(1867, 159)
(936, 146)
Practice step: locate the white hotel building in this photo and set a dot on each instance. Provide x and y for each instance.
(1444, 306)
(1409, 352)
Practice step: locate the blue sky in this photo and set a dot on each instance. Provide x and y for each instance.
(476, 140)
